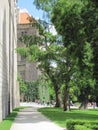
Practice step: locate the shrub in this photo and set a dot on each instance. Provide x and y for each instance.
(71, 123)
(92, 125)
(80, 127)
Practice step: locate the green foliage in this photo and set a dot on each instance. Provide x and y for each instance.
(22, 51)
(45, 89)
(45, 50)
(22, 85)
(31, 93)
(35, 53)
(76, 21)
(92, 125)
(45, 5)
(69, 22)
(81, 125)
(76, 29)
(91, 27)
(88, 55)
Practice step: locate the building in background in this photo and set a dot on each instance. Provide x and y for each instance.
(9, 90)
(27, 70)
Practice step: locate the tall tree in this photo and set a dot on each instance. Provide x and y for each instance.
(76, 21)
(68, 20)
(64, 17)
(89, 14)
(44, 50)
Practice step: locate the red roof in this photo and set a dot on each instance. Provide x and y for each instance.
(24, 18)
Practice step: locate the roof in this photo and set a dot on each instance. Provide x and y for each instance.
(24, 18)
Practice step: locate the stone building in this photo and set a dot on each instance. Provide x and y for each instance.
(9, 91)
(27, 70)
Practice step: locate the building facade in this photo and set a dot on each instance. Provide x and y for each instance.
(9, 90)
(27, 70)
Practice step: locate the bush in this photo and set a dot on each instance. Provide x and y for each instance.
(92, 126)
(89, 125)
(71, 123)
(80, 127)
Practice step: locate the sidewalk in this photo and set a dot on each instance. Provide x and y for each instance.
(30, 119)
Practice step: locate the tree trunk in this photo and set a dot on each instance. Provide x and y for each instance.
(56, 89)
(84, 104)
(66, 99)
(66, 88)
(58, 97)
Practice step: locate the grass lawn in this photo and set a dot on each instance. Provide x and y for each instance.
(59, 116)
(7, 122)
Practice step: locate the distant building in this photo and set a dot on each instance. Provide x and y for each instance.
(27, 70)
(9, 90)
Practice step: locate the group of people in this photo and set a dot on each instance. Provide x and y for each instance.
(92, 104)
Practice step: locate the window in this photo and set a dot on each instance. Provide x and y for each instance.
(23, 33)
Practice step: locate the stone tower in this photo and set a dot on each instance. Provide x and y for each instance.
(27, 70)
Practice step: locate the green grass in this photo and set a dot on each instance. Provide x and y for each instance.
(60, 117)
(7, 122)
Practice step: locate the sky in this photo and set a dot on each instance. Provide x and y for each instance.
(31, 8)
(27, 5)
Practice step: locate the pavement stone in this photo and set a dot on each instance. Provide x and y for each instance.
(30, 119)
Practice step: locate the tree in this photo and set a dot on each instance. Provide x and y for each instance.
(44, 88)
(64, 26)
(44, 49)
(70, 25)
(31, 93)
(76, 21)
(86, 81)
(45, 5)
(79, 19)
(48, 6)
(89, 14)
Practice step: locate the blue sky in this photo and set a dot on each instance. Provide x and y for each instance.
(31, 8)
(28, 4)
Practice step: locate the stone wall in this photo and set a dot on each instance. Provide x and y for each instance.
(9, 91)
(26, 69)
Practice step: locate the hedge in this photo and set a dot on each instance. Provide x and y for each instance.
(87, 125)
(80, 127)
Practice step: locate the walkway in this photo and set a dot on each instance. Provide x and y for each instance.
(30, 119)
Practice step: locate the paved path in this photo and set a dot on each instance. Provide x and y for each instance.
(30, 119)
